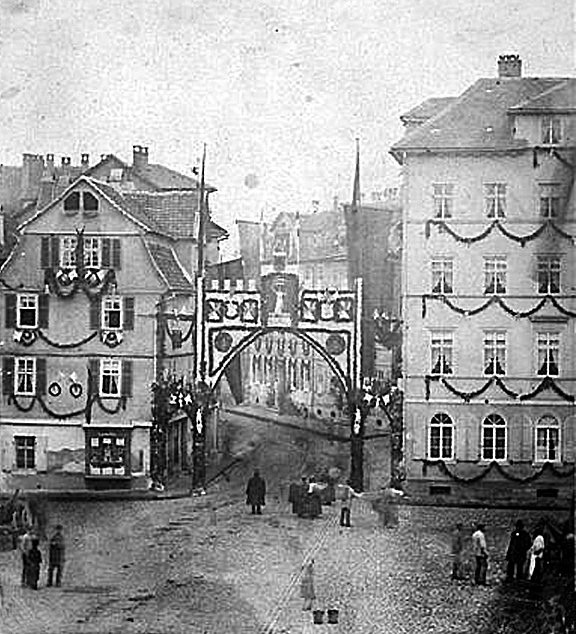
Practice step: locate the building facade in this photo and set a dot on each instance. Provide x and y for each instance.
(488, 288)
(97, 300)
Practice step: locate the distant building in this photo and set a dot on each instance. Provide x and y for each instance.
(97, 301)
(489, 301)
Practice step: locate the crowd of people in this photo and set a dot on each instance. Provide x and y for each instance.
(27, 518)
(527, 557)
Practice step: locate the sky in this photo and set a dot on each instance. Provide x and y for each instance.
(277, 89)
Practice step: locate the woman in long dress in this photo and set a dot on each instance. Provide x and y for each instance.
(307, 585)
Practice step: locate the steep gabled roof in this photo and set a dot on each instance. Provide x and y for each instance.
(427, 109)
(559, 98)
(168, 266)
(113, 196)
(159, 177)
(478, 118)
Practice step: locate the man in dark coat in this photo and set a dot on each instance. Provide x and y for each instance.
(518, 547)
(296, 494)
(256, 493)
(56, 556)
(34, 560)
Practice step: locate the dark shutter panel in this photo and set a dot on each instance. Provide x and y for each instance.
(55, 251)
(8, 375)
(126, 378)
(10, 310)
(41, 377)
(116, 257)
(43, 310)
(95, 312)
(106, 253)
(45, 252)
(128, 313)
(93, 375)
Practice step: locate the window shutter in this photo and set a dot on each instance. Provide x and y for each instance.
(55, 251)
(93, 375)
(128, 313)
(40, 377)
(10, 310)
(105, 253)
(45, 252)
(95, 312)
(41, 453)
(7, 457)
(126, 378)
(8, 375)
(43, 310)
(116, 258)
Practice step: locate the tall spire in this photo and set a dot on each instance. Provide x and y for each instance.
(356, 198)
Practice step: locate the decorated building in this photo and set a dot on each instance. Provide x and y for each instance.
(97, 299)
(489, 297)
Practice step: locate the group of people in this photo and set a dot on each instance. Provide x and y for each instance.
(29, 547)
(525, 556)
(307, 497)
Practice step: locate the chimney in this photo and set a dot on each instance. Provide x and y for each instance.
(84, 161)
(509, 66)
(32, 170)
(139, 156)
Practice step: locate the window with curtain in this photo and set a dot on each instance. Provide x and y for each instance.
(443, 199)
(548, 274)
(442, 276)
(495, 352)
(495, 274)
(547, 440)
(441, 347)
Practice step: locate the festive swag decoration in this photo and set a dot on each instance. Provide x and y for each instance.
(25, 408)
(176, 336)
(506, 473)
(111, 338)
(68, 345)
(496, 300)
(66, 283)
(547, 383)
(25, 337)
(497, 224)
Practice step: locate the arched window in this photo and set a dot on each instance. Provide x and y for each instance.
(547, 440)
(441, 438)
(494, 438)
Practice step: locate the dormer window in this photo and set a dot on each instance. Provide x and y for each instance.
(551, 130)
(81, 201)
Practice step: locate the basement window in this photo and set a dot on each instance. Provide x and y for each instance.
(440, 489)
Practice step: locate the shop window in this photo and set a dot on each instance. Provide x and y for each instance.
(108, 454)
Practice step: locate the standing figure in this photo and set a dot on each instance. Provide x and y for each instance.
(296, 494)
(34, 560)
(307, 585)
(24, 546)
(56, 557)
(481, 554)
(256, 493)
(517, 550)
(536, 564)
(457, 548)
(346, 494)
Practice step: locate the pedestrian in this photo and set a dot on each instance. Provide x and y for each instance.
(517, 550)
(296, 494)
(307, 585)
(536, 561)
(56, 556)
(34, 560)
(481, 554)
(346, 494)
(24, 546)
(256, 493)
(457, 548)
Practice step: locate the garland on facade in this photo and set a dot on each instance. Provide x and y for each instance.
(548, 466)
(121, 404)
(175, 338)
(66, 346)
(496, 224)
(496, 299)
(547, 383)
(66, 284)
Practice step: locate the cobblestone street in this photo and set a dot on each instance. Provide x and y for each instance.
(204, 565)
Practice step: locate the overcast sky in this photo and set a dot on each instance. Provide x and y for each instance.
(278, 89)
